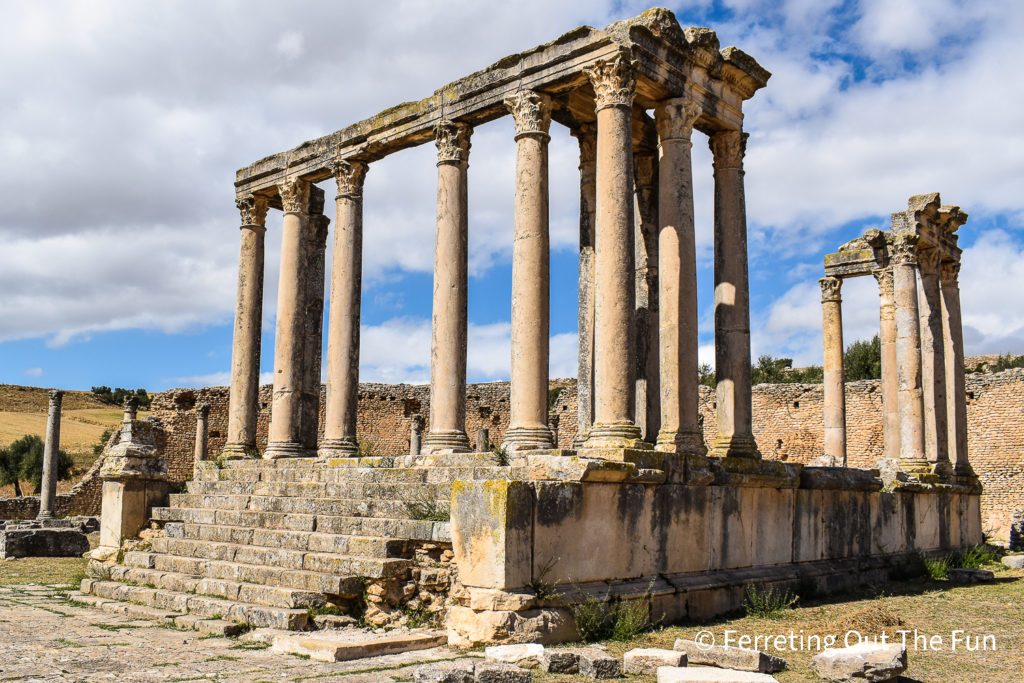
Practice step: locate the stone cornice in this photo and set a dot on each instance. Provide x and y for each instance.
(349, 175)
(452, 141)
(614, 82)
(675, 118)
(253, 208)
(531, 112)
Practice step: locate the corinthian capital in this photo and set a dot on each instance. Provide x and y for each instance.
(675, 118)
(613, 81)
(531, 112)
(884, 278)
(903, 250)
(294, 195)
(56, 396)
(350, 176)
(452, 140)
(949, 272)
(830, 287)
(728, 148)
(253, 209)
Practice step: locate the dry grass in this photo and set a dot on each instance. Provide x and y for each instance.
(933, 608)
(42, 570)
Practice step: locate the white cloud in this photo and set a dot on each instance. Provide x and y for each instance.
(33, 372)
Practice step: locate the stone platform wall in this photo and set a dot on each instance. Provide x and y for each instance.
(787, 425)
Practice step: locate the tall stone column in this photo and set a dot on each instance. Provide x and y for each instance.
(243, 403)
(202, 432)
(528, 415)
(933, 365)
(48, 486)
(735, 436)
(313, 317)
(890, 385)
(677, 280)
(449, 324)
(834, 389)
(285, 438)
(645, 237)
(344, 318)
(908, 355)
(614, 287)
(956, 389)
(587, 136)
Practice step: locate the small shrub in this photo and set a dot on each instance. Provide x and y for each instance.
(99, 572)
(612, 618)
(541, 586)
(936, 568)
(501, 456)
(419, 616)
(366, 447)
(974, 558)
(429, 510)
(97, 449)
(767, 603)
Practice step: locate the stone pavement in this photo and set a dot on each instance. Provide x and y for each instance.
(45, 636)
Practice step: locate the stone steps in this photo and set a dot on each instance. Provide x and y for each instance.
(175, 604)
(395, 475)
(325, 523)
(319, 562)
(335, 507)
(350, 490)
(371, 546)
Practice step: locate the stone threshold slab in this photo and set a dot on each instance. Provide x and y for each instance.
(347, 645)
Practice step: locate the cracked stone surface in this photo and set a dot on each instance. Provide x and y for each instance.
(44, 637)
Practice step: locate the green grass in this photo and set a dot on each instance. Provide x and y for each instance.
(767, 603)
(42, 570)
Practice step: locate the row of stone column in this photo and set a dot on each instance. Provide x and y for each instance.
(923, 385)
(606, 302)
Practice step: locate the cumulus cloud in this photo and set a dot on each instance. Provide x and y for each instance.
(33, 372)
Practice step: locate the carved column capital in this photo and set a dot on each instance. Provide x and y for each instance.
(614, 82)
(56, 396)
(728, 148)
(350, 175)
(531, 112)
(830, 287)
(202, 410)
(294, 195)
(949, 273)
(903, 250)
(586, 134)
(883, 276)
(675, 118)
(253, 209)
(452, 140)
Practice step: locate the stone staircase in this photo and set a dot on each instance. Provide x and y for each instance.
(264, 543)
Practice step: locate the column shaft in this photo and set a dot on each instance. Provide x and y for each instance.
(344, 319)
(449, 325)
(677, 280)
(956, 389)
(51, 461)
(933, 365)
(908, 355)
(645, 210)
(614, 287)
(243, 404)
(285, 437)
(587, 136)
(890, 384)
(313, 334)
(834, 389)
(528, 416)
(202, 433)
(732, 304)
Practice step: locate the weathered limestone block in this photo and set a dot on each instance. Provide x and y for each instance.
(596, 663)
(647, 660)
(560, 661)
(971, 575)
(15, 542)
(863, 662)
(468, 628)
(494, 672)
(738, 658)
(341, 646)
(492, 527)
(1013, 561)
(709, 674)
(447, 672)
(525, 655)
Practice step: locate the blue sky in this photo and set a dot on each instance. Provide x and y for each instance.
(124, 123)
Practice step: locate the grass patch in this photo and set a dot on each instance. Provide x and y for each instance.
(249, 646)
(429, 510)
(936, 568)
(612, 618)
(68, 643)
(767, 603)
(975, 558)
(223, 658)
(42, 570)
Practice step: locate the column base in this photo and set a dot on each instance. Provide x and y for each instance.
(735, 447)
(915, 466)
(943, 469)
(615, 435)
(238, 451)
(44, 516)
(528, 439)
(685, 441)
(454, 441)
(286, 449)
(345, 447)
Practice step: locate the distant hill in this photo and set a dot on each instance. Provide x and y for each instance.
(19, 399)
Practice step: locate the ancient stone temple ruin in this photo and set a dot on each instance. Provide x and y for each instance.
(924, 400)
(640, 508)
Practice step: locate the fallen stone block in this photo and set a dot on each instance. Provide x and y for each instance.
(1014, 561)
(263, 635)
(596, 663)
(523, 655)
(710, 674)
(342, 646)
(446, 672)
(862, 662)
(329, 621)
(737, 658)
(497, 672)
(647, 660)
(217, 627)
(560, 661)
(42, 543)
(971, 575)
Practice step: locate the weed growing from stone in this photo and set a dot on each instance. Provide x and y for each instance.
(501, 456)
(767, 603)
(419, 616)
(611, 618)
(430, 511)
(541, 586)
